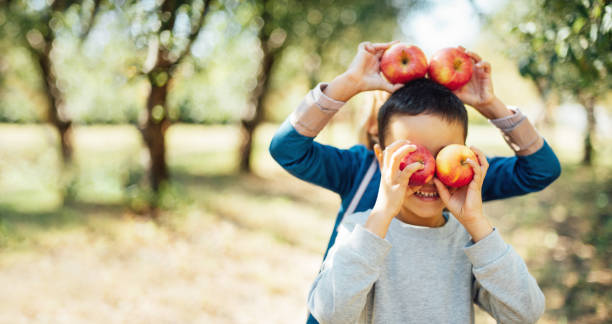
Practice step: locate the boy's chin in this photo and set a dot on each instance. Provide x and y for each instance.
(424, 209)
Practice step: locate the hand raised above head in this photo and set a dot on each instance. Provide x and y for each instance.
(365, 68)
(478, 92)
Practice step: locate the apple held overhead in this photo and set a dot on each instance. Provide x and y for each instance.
(402, 63)
(451, 68)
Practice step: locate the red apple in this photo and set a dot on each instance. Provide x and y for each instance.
(451, 168)
(401, 63)
(451, 68)
(421, 155)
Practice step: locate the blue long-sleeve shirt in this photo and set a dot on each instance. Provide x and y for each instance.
(341, 170)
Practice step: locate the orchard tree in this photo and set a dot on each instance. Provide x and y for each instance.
(167, 29)
(564, 47)
(313, 26)
(37, 25)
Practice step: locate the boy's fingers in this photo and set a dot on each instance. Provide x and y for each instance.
(409, 170)
(388, 152)
(482, 159)
(442, 191)
(378, 152)
(399, 155)
(477, 170)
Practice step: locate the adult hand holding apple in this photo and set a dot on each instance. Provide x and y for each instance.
(363, 74)
(465, 203)
(478, 91)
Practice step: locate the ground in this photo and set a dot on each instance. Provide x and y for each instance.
(232, 248)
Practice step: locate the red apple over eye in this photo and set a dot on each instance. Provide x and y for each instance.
(401, 63)
(451, 167)
(421, 155)
(451, 68)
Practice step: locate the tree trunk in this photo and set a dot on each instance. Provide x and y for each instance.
(55, 114)
(154, 129)
(545, 119)
(255, 111)
(589, 150)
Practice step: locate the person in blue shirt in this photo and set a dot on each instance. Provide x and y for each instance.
(354, 173)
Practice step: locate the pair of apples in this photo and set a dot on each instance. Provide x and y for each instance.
(449, 165)
(449, 67)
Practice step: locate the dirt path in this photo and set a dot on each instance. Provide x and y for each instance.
(205, 270)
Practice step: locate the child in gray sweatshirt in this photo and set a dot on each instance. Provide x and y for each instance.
(423, 254)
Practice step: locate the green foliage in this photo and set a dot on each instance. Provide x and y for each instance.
(564, 45)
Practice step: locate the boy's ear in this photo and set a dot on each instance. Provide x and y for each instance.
(379, 153)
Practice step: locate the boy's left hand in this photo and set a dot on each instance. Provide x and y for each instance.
(478, 92)
(465, 203)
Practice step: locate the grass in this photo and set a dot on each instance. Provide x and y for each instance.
(232, 248)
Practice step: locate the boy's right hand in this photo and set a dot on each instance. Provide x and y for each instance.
(393, 185)
(363, 74)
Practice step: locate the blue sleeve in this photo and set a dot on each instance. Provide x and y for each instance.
(323, 165)
(519, 175)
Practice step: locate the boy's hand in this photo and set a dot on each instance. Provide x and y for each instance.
(478, 92)
(465, 203)
(393, 185)
(363, 74)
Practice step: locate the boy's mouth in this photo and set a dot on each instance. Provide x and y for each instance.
(426, 195)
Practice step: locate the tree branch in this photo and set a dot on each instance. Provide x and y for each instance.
(91, 21)
(169, 6)
(195, 31)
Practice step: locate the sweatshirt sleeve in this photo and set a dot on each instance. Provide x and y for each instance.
(294, 148)
(340, 291)
(519, 175)
(503, 286)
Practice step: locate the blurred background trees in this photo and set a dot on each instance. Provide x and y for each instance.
(151, 63)
(168, 29)
(314, 27)
(36, 27)
(564, 48)
(166, 107)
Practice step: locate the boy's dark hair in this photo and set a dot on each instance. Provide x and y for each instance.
(422, 96)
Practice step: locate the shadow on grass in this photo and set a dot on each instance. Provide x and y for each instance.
(16, 225)
(250, 184)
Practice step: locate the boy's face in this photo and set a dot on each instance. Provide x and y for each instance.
(434, 133)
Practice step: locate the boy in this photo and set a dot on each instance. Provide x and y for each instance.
(407, 260)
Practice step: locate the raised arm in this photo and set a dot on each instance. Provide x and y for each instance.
(534, 166)
(293, 145)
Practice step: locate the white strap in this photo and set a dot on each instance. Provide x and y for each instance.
(362, 187)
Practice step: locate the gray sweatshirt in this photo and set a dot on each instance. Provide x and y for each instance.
(421, 275)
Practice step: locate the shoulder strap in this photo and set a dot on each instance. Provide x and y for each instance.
(362, 187)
